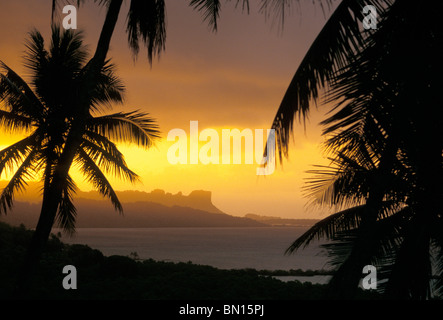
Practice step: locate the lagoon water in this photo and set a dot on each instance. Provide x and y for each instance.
(224, 248)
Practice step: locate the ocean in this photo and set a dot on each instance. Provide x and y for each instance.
(224, 248)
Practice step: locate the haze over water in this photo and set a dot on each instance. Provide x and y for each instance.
(225, 248)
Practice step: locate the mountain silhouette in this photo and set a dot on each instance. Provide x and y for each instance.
(197, 199)
(141, 210)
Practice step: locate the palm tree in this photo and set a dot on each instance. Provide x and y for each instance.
(146, 20)
(93, 83)
(59, 114)
(382, 163)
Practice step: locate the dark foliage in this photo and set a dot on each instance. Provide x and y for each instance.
(123, 278)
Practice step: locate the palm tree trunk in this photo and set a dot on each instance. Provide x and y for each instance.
(51, 199)
(107, 31)
(39, 239)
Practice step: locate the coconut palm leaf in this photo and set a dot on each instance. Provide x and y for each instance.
(146, 21)
(388, 230)
(346, 181)
(336, 226)
(327, 228)
(26, 171)
(58, 68)
(350, 250)
(14, 123)
(95, 176)
(210, 10)
(109, 159)
(335, 188)
(132, 127)
(16, 153)
(339, 40)
(109, 89)
(278, 10)
(67, 212)
(17, 95)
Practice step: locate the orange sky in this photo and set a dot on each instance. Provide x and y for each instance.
(234, 78)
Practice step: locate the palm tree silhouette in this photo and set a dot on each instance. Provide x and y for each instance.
(146, 23)
(146, 20)
(65, 132)
(386, 156)
(58, 111)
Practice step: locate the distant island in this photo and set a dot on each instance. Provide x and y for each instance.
(277, 221)
(197, 199)
(144, 210)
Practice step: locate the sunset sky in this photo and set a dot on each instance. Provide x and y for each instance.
(234, 78)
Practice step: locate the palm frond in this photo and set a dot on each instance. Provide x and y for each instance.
(343, 183)
(106, 155)
(67, 212)
(18, 95)
(67, 45)
(210, 10)
(364, 139)
(36, 54)
(244, 5)
(146, 21)
(387, 232)
(12, 156)
(337, 225)
(329, 227)
(18, 182)
(133, 127)
(339, 40)
(55, 72)
(340, 247)
(350, 250)
(277, 10)
(95, 176)
(108, 88)
(14, 123)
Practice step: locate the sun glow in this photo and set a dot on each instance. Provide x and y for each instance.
(233, 79)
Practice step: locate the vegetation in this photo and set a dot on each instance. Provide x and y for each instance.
(120, 277)
(59, 111)
(385, 143)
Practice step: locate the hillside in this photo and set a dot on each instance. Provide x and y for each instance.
(197, 199)
(143, 210)
(100, 214)
(122, 278)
